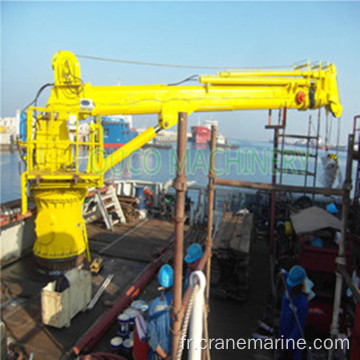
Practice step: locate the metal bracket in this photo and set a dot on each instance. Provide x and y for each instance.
(180, 219)
(37, 180)
(340, 260)
(175, 316)
(76, 179)
(180, 184)
(211, 184)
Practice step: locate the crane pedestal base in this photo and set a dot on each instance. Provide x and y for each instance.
(60, 228)
(50, 266)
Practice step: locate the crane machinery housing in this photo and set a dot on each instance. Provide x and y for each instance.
(53, 173)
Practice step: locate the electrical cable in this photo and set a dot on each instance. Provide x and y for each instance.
(20, 155)
(34, 102)
(190, 78)
(38, 95)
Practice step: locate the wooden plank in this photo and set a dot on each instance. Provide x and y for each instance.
(225, 232)
(235, 234)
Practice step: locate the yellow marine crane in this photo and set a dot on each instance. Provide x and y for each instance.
(53, 174)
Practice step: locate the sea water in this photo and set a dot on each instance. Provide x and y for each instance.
(252, 161)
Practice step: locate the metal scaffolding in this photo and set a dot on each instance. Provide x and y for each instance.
(180, 303)
(280, 132)
(356, 157)
(344, 193)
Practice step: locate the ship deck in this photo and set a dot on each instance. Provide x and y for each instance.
(126, 253)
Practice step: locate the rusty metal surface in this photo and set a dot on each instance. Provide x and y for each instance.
(180, 187)
(49, 343)
(97, 232)
(22, 284)
(156, 234)
(270, 187)
(211, 187)
(23, 320)
(93, 335)
(341, 259)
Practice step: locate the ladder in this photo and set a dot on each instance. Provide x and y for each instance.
(110, 208)
(312, 141)
(280, 132)
(356, 157)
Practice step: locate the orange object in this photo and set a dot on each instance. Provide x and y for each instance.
(300, 97)
(149, 197)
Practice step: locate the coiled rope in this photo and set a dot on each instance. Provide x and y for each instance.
(185, 324)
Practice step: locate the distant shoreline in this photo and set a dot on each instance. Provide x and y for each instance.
(7, 147)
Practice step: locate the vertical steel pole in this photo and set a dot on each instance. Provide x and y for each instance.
(269, 117)
(208, 240)
(273, 194)
(307, 154)
(283, 123)
(355, 217)
(341, 260)
(211, 187)
(180, 187)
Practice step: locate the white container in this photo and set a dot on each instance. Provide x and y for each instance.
(132, 313)
(57, 309)
(123, 321)
(116, 343)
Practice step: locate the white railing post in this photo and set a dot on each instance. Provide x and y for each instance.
(196, 321)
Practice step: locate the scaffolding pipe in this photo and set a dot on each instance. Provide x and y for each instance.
(200, 267)
(208, 240)
(350, 283)
(273, 195)
(281, 188)
(355, 217)
(317, 150)
(211, 187)
(180, 187)
(196, 321)
(340, 260)
(283, 121)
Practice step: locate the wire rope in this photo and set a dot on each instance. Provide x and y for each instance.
(144, 63)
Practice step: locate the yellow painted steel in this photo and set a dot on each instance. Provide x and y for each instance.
(127, 149)
(57, 184)
(214, 80)
(59, 225)
(53, 171)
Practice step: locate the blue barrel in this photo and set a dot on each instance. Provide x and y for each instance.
(139, 193)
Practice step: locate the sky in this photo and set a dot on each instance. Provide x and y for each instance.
(225, 34)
